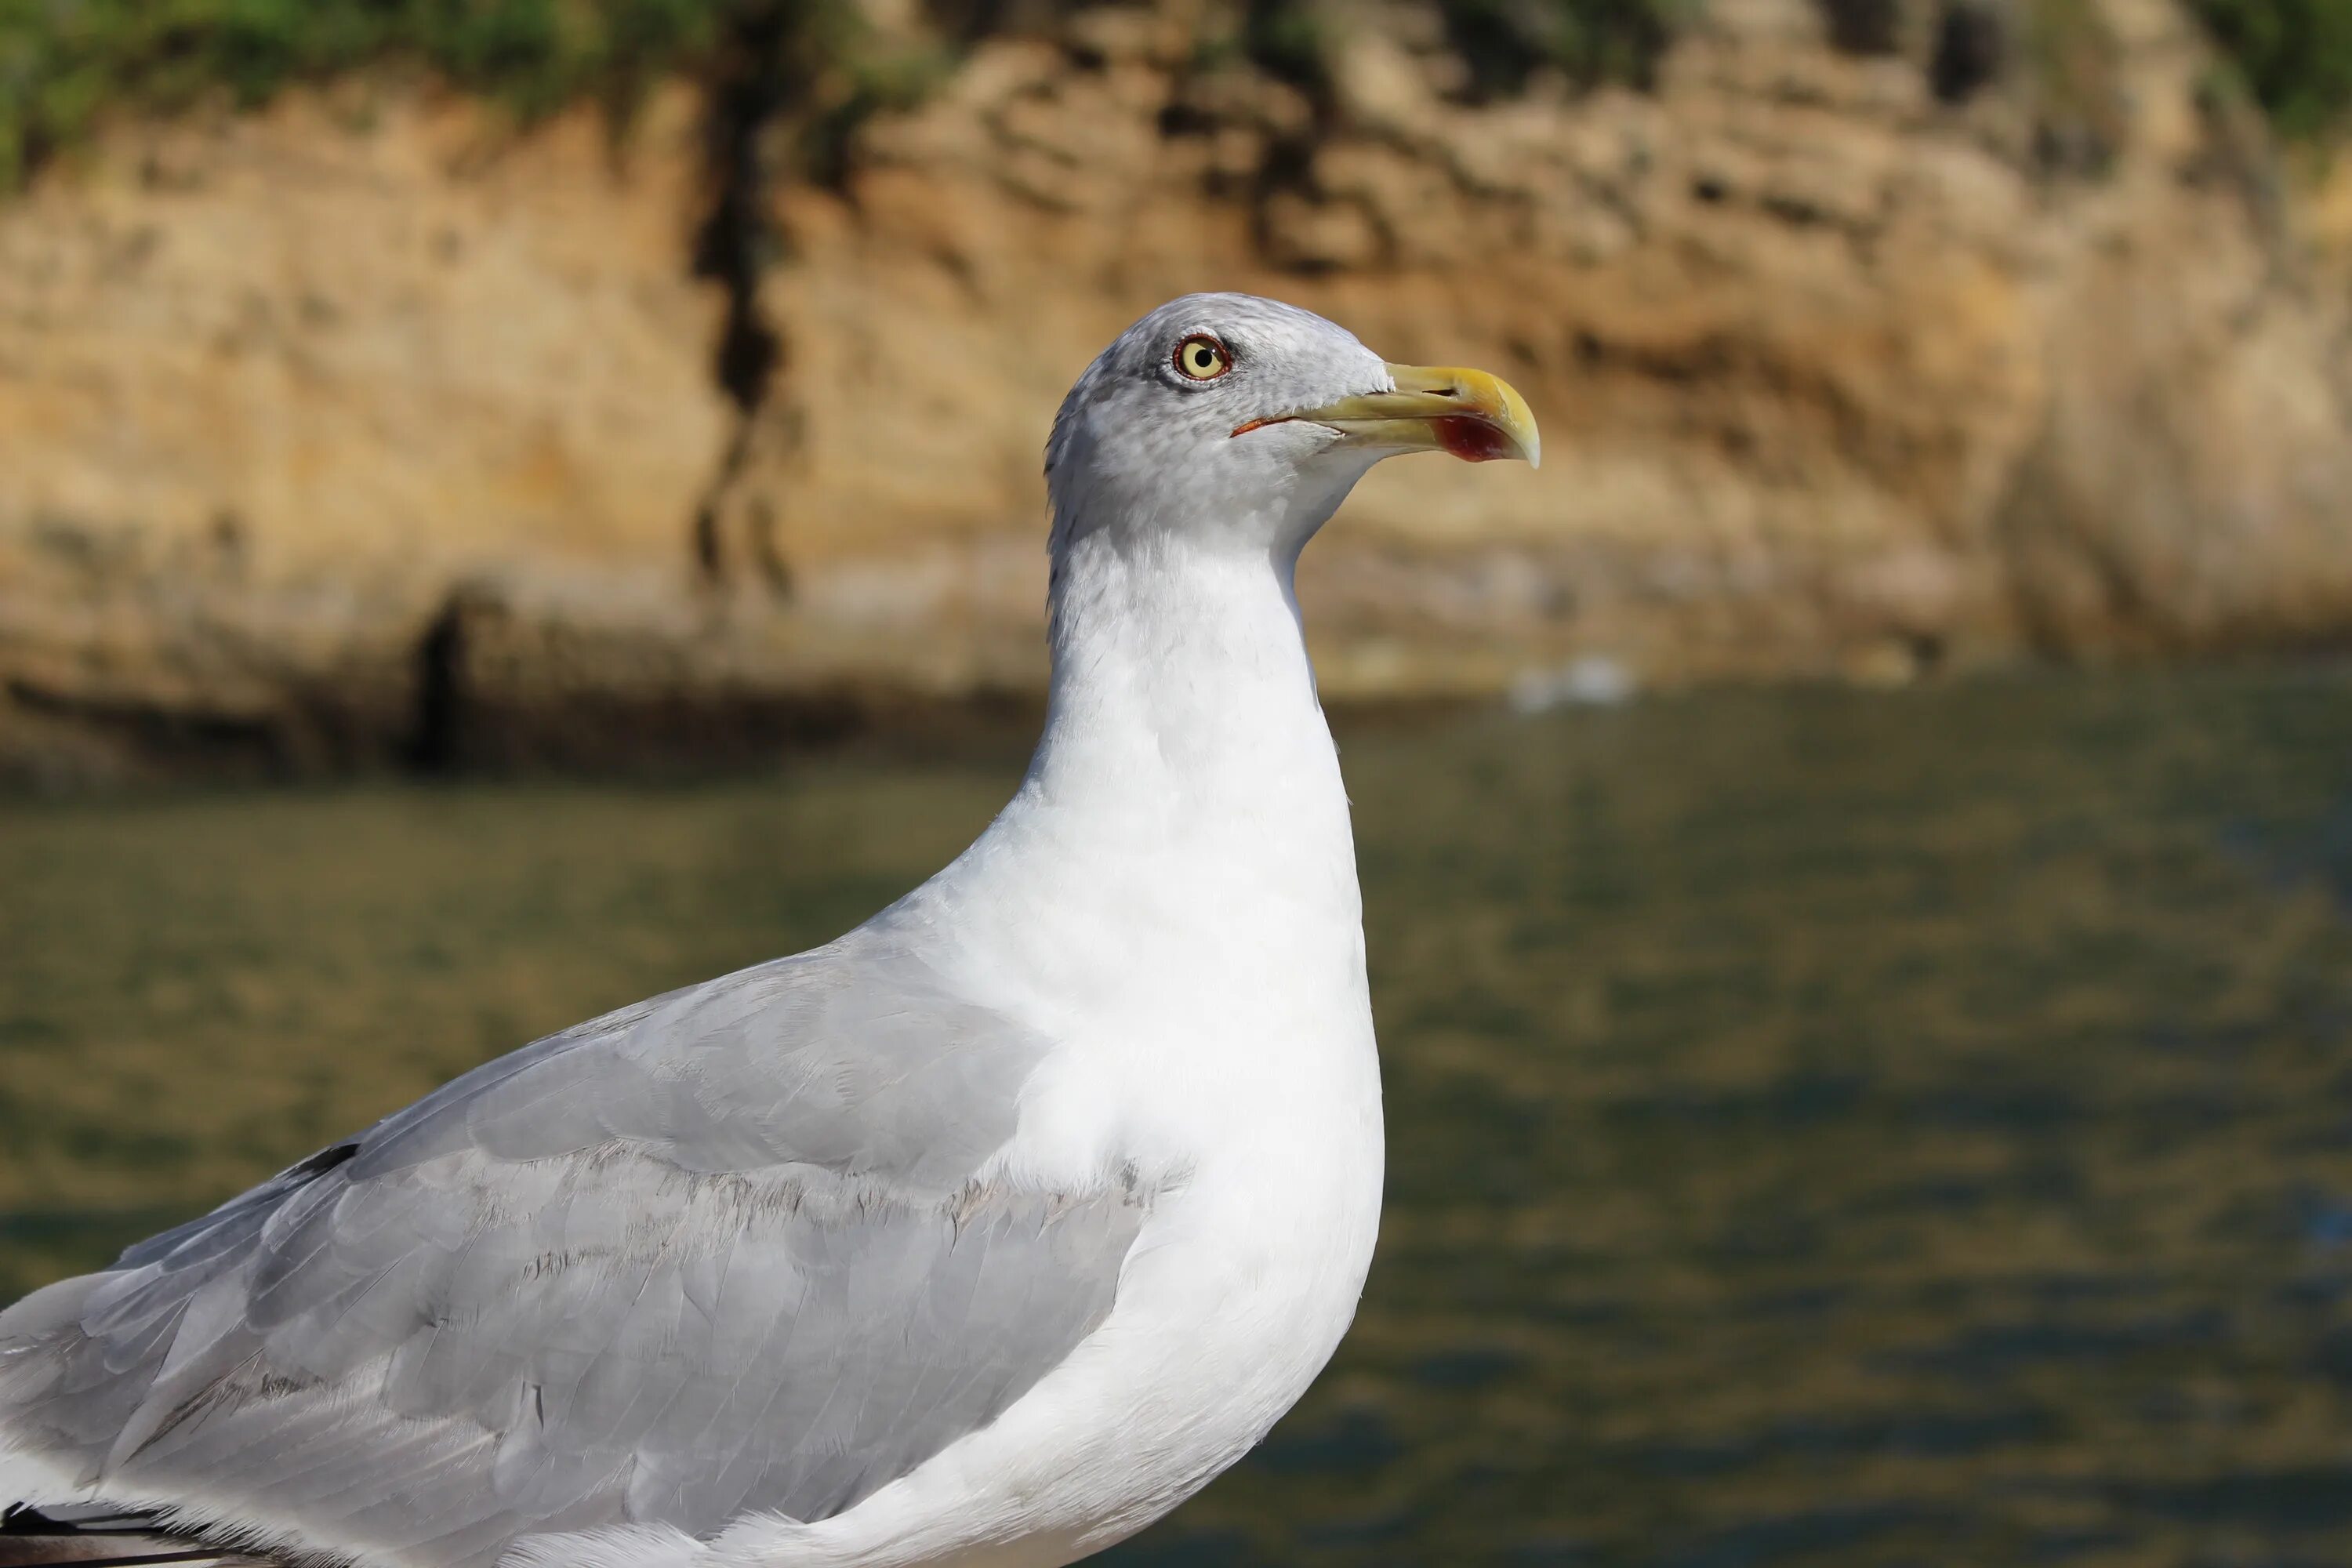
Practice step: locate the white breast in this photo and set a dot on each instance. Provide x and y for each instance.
(1237, 1292)
(1256, 1115)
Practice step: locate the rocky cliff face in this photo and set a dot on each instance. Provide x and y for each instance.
(368, 430)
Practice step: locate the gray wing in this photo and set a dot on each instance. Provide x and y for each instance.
(719, 1252)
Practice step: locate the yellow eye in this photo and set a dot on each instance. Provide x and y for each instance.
(1202, 358)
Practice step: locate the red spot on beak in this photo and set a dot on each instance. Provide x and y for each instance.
(1471, 440)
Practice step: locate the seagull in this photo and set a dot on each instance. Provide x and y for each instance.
(984, 1236)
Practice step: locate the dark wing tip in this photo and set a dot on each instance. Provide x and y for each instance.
(98, 1537)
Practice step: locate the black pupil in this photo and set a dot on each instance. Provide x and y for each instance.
(1204, 361)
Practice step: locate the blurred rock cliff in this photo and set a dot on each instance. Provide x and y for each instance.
(375, 426)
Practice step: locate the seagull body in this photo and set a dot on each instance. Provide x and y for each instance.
(982, 1235)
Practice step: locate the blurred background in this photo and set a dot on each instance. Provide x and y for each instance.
(508, 506)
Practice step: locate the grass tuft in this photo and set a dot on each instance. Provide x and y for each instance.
(65, 63)
(2294, 56)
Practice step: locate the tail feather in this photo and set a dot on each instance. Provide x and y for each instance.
(95, 1536)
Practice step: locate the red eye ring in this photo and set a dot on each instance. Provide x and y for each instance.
(1202, 357)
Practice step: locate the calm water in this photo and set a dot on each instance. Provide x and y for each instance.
(1826, 1128)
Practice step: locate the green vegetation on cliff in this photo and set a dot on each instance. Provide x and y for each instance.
(64, 63)
(2296, 57)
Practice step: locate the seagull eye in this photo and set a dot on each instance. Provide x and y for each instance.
(1202, 358)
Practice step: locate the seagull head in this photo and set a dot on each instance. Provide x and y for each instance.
(1231, 419)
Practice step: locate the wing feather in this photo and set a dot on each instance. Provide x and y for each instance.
(726, 1250)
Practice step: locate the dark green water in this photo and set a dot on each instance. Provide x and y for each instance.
(1825, 1128)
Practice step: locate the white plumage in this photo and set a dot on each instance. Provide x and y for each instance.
(984, 1236)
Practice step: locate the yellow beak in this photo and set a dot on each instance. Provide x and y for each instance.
(1468, 413)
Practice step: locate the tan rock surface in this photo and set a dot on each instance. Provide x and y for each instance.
(272, 390)
(1835, 378)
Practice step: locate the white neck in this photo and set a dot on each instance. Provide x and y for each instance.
(1186, 786)
(1181, 693)
(1172, 892)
